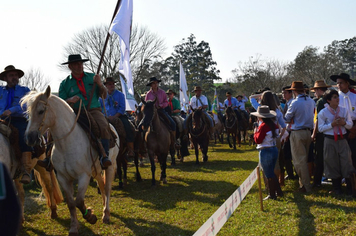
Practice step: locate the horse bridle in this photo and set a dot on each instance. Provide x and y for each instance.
(233, 115)
(45, 114)
(197, 135)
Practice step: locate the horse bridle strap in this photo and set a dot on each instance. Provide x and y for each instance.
(71, 130)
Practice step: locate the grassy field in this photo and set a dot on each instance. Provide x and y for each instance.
(192, 195)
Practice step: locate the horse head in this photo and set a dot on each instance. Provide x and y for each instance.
(138, 114)
(197, 116)
(39, 117)
(149, 111)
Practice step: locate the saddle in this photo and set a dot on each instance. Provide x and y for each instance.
(179, 122)
(12, 135)
(120, 129)
(92, 129)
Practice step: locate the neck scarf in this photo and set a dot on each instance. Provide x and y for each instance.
(170, 104)
(336, 115)
(230, 103)
(81, 86)
(10, 97)
(347, 102)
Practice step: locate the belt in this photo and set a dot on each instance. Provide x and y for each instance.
(301, 129)
(332, 136)
(266, 147)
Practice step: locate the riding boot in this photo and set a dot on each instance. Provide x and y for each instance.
(289, 169)
(46, 163)
(278, 187)
(271, 189)
(26, 167)
(130, 147)
(104, 160)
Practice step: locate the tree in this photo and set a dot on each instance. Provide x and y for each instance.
(257, 73)
(197, 60)
(35, 80)
(144, 47)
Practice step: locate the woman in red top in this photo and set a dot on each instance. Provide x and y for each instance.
(265, 138)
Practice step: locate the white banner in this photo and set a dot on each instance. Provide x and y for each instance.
(183, 88)
(130, 99)
(213, 225)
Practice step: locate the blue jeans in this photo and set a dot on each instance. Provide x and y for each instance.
(268, 159)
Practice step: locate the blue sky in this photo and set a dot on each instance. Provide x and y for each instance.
(35, 32)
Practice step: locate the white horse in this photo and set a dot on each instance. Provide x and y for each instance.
(73, 156)
(47, 180)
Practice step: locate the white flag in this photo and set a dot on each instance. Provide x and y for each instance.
(130, 99)
(183, 88)
(122, 22)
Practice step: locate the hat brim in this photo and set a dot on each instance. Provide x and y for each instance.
(299, 89)
(335, 77)
(82, 60)
(312, 89)
(272, 114)
(2, 74)
(149, 84)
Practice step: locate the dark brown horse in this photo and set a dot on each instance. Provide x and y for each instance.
(199, 132)
(157, 139)
(231, 126)
(243, 126)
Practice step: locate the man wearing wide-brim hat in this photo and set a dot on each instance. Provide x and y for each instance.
(10, 96)
(319, 89)
(199, 101)
(347, 99)
(173, 103)
(232, 102)
(300, 115)
(78, 86)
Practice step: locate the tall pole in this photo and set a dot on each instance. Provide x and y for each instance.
(103, 53)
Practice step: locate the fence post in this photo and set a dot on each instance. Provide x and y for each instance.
(259, 187)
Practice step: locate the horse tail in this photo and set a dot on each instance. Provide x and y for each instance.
(48, 182)
(57, 193)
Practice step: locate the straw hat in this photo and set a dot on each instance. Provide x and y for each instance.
(9, 69)
(264, 112)
(320, 84)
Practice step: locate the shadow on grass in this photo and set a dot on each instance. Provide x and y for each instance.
(145, 227)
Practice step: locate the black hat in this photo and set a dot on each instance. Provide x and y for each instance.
(153, 79)
(109, 79)
(343, 76)
(170, 91)
(74, 58)
(8, 69)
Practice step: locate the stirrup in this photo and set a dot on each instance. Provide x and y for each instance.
(105, 163)
(46, 163)
(25, 181)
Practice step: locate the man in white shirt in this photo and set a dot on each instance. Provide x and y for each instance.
(199, 101)
(348, 101)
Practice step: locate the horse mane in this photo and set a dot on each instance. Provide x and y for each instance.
(31, 100)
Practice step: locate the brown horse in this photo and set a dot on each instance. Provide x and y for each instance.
(199, 132)
(231, 126)
(243, 126)
(157, 138)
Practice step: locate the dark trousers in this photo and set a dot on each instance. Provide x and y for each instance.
(130, 136)
(319, 158)
(21, 124)
(352, 144)
(288, 158)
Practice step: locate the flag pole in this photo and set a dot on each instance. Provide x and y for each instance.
(102, 53)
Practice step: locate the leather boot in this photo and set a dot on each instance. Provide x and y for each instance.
(336, 186)
(26, 167)
(279, 191)
(46, 163)
(104, 160)
(271, 189)
(130, 147)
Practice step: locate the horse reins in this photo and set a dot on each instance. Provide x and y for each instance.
(229, 127)
(70, 131)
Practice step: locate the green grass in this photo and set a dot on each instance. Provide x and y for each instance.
(192, 195)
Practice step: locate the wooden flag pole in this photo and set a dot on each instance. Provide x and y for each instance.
(102, 54)
(259, 187)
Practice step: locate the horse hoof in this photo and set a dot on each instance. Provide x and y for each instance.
(125, 182)
(106, 220)
(230, 146)
(54, 214)
(164, 181)
(90, 216)
(121, 185)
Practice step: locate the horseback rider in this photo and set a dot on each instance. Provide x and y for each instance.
(77, 86)
(173, 103)
(10, 96)
(199, 101)
(242, 99)
(233, 102)
(115, 105)
(161, 104)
